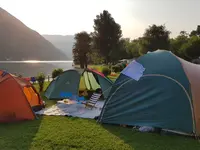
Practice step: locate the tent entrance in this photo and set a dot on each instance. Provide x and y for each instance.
(88, 83)
(31, 96)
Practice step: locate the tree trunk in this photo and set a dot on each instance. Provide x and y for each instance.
(86, 64)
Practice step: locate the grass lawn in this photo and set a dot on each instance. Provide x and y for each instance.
(63, 133)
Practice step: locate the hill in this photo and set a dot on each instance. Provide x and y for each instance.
(64, 43)
(18, 42)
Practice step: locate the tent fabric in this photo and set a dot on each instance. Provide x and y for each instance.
(105, 85)
(93, 82)
(77, 80)
(14, 105)
(67, 82)
(165, 96)
(87, 82)
(82, 86)
(193, 73)
(97, 72)
(32, 96)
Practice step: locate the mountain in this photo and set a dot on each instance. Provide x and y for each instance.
(64, 43)
(18, 42)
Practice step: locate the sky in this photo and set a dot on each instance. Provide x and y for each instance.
(68, 17)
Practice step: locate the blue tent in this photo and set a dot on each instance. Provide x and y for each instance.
(155, 91)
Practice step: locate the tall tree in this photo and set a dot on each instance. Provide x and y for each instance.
(192, 48)
(133, 48)
(178, 42)
(82, 47)
(156, 37)
(195, 32)
(107, 34)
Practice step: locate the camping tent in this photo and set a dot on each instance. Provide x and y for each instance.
(159, 89)
(75, 80)
(18, 98)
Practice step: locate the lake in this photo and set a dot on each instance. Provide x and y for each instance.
(33, 67)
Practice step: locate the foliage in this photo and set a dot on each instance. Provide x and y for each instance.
(95, 57)
(106, 45)
(56, 72)
(195, 32)
(106, 36)
(116, 68)
(121, 66)
(106, 71)
(41, 78)
(191, 49)
(155, 37)
(81, 48)
(177, 43)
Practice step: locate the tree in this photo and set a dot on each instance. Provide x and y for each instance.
(178, 42)
(82, 47)
(125, 49)
(135, 48)
(41, 78)
(195, 32)
(155, 37)
(191, 49)
(56, 72)
(106, 35)
(95, 57)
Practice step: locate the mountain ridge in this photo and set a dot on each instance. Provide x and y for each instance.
(17, 41)
(62, 42)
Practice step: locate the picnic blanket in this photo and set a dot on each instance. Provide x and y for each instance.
(73, 109)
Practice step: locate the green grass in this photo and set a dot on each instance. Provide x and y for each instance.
(51, 133)
(63, 133)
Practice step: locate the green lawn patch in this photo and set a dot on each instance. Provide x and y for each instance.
(52, 132)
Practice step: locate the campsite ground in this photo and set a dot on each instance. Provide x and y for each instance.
(53, 132)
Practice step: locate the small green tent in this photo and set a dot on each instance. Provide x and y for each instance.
(75, 80)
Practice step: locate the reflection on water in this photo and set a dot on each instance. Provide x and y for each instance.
(33, 67)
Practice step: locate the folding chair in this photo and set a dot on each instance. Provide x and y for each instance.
(93, 100)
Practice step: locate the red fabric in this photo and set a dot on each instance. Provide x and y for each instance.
(97, 72)
(27, 79)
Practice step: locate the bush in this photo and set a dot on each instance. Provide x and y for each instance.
(106, 71)
(124, 65)
(41, 78)
(94, 68)
(121, 67)
(56, 72)
(116, 68)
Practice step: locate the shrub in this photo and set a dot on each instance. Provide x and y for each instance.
(56, 72)
(116, 68)
(121, 67)
(41, 78)
(106, 71)
(94, 68)
(123, 64)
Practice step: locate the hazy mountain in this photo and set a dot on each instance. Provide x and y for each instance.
(64, 43)
(18, 42)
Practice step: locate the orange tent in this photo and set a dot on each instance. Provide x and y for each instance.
(18, 99)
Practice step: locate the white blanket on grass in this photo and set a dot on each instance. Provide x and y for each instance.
(74, 110)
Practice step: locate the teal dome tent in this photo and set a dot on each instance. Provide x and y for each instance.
(158, 89)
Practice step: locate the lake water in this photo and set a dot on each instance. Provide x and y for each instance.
(33, 67)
